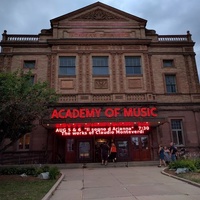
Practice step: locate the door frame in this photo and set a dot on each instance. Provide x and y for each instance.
(139, 150)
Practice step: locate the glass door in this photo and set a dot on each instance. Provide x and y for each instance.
(122, 150)
(70, 151)
(140, 148)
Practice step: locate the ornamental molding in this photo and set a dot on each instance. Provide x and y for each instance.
(100, 15)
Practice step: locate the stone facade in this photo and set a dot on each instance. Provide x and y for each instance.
(100, 30)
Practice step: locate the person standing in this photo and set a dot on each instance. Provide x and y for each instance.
(173, 151)
(167, 155)
(161, 156)
(113, 152)
(104, 153)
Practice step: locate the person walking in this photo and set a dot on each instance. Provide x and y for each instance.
(104, 153)
(161, 156)
(113, 152)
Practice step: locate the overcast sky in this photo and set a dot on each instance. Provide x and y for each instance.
(164, 16)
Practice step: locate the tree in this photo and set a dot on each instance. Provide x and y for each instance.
(21, 103)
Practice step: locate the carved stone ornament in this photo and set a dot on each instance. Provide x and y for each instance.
(99, 14)
(101, 84)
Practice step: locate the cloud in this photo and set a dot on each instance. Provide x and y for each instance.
(164, 16)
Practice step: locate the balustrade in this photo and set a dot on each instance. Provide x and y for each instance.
(23, 38)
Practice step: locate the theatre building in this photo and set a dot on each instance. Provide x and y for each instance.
(118, 82)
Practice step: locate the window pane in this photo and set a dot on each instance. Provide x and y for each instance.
(70, 145)
(84, 150)
(144, 141)
(100, 70)
(122, 149)
(170, 83)
(133, 65)
(29, 64)
(176, 124)
(32, 80)
(167, 63)
(174, 136)
(24, 142)
(177, 131)
(100, 65)
(27, 141)
(67, 65)
(180, 137)
(135, 142)
(21, 142)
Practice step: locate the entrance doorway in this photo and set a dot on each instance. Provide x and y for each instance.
(98, 143)
(140, 148)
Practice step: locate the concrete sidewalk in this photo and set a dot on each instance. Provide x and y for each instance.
(122, 183)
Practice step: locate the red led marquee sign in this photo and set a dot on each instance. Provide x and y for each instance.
(101, 131)
(117, 128)
(103, 128)
(98, 112)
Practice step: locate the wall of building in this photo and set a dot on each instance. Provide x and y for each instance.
(116, 35)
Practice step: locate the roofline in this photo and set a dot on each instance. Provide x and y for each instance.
(83, 9)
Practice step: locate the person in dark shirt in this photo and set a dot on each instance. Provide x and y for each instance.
(173, 151)
(104, 153)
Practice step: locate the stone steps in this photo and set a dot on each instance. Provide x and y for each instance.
(110, 164)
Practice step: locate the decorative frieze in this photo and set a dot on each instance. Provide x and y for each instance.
(114, 70)
(99, 15)
(136, 97)
(53, 70)
(68, 98)
(87, 73)
(102, 97)
(121, 77)
(66, 84)
(101, 83)
(96, 34)
(134, 83)
(80, 73)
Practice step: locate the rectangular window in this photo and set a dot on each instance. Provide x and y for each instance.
(30, 64)
(32, 79)
(24, 142)
(84, 150)
(70, 145)
(133, 65)
(170, 81)
(122, 147)
(177, 131)
(168, 63)
(67, 65)
(100, 65)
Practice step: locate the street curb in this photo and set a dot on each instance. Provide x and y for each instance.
(52, 190)
(179, 178)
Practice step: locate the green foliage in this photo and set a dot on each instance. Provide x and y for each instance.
(31, 171)
(21, 103)
(17, 170)
(53, 172)
(14, 188)
(197, 163)
(190, 164)
(40, 170)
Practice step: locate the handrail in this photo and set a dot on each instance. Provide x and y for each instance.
(35, 38)
(23, 38)
(174, 38)
(19, 38)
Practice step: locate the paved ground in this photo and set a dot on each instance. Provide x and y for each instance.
(122, 183)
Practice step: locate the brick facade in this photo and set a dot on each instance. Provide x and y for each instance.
(100, 30)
